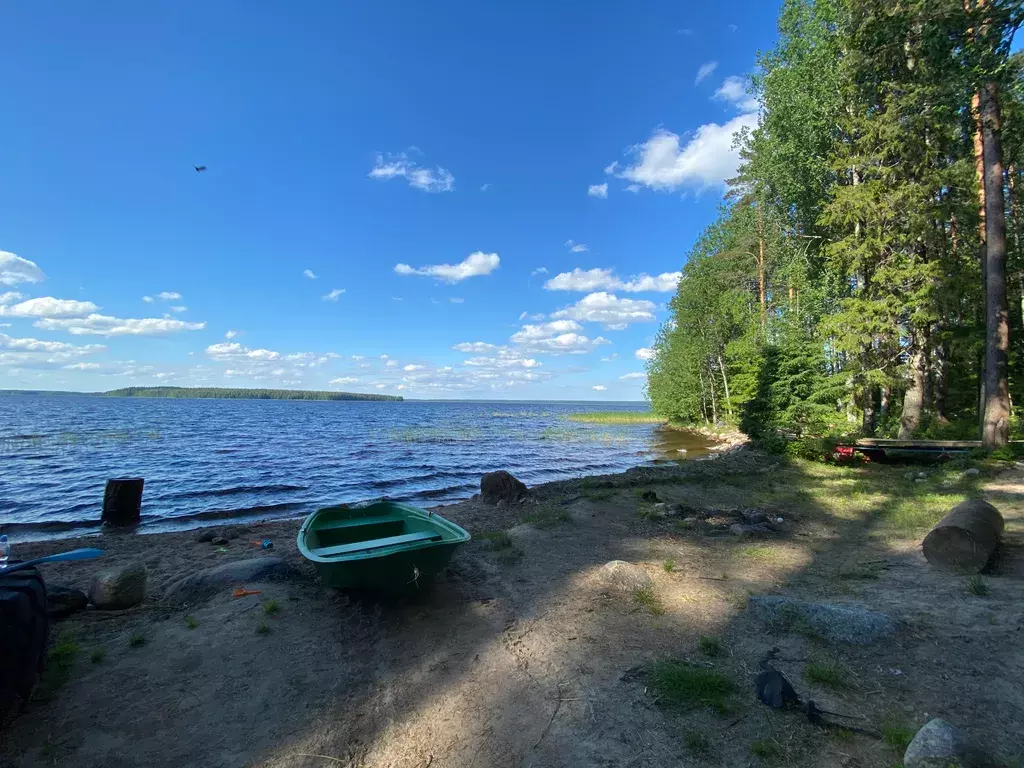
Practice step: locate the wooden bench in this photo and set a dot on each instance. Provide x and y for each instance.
(366, 546)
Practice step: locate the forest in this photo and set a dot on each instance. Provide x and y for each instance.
(865, 274)
(242, 394)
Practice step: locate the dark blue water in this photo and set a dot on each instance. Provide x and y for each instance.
(205, 460)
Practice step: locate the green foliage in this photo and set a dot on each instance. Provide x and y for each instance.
(137, 640)
(684, 685)
(645, 596)
(897, 734)
(98, 655)
(191, 622)
(697, 742)
(669, 565)
(617, 417)
(242, 394)
(710, 646)
(827, 674)
(977, 586)
(271, 608)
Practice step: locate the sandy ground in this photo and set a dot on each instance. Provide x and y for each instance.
(518, 657)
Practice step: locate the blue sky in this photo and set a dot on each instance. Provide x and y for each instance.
(436, 200)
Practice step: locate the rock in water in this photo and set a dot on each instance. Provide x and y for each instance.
(836, 623)
(63, 601)
(501, 486)
(940, 745)
(202, 585)
(621, 576)
(118, 587)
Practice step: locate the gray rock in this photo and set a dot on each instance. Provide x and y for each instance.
(206, 536)
(738, 529)
(909, 475)
(753, 517)
(691, 521)
(972, 472)
(498, 486)
(620, 576)
(922, 475)
(940, 745)
(219, 541)
(235, 533)
(674, 510)
(835, 623)
(202, 585)
(118, 587)
(63, 601)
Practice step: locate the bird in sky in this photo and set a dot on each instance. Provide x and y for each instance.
(199, 168)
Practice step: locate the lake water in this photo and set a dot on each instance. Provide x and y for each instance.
(207, 460)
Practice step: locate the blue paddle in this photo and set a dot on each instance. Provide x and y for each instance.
(75, 554)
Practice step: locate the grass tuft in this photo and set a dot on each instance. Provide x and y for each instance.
(710, 646)
(763, 553)
(897, 734)
(98, 655)
(697, 742)
(548, 517)
(669, 565)
(64, 651)
(263, 628)
(977, 586)
(616, 417)
(496, 539)
(271, 607)
(137, 640)
(684, 685)
(645, 596)
(191, 622)
(827, 674)
(767, 750)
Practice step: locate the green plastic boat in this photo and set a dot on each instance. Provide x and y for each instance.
(386, 546)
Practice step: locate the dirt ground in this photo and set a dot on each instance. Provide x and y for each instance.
(519, 657)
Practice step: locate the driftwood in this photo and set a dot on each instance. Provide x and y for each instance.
(122, 501)
(964, 539)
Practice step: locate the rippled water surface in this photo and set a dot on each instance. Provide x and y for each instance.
(211, 459)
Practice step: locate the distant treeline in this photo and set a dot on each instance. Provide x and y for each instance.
(242, 394)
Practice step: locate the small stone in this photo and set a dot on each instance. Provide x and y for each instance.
(753, 517)
(940, 745)
(738, 529)
(922, 475)
(621, 576)
(691, 521)
(909, 476)
(674, 510)
(206, 536)
(972, 472)
(836, 623)
(220, 541)
(63, 601)
(118, 587)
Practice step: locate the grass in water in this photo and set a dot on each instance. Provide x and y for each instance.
(977, 586)
(645, 596)
(98, 655)
(711, 647)
(136, 640)
(616, 417)
(827, 674)
(191, 622)
(669, 565)
(271, 607)
(684, 685)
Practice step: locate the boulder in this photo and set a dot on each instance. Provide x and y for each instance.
(835, 623)
(972, 472)
(206, 536)
(753, 517)
(501, 486)
(620, 576)
(218, 541)
(940, 745)
(63, 601)
(119, 587)
(204, 584)
(675, 510)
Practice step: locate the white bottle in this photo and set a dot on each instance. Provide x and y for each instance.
(5, 551)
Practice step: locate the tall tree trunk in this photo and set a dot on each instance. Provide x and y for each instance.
(996, 430)
(725, 383)
(979, 170)
(868, 409)
(913, 400)
(940, 389)
(883, 401)
(760, 270)
(714, 400)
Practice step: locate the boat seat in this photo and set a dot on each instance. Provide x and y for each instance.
(355, 522)
(365, 546)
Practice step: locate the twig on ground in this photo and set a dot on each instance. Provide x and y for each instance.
(323, 757)
(554, 712)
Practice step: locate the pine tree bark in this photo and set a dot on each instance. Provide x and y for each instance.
(996, 427)
(940, 389)
(913, 400)
(883, 402)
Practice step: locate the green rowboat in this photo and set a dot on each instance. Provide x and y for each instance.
(386, 546)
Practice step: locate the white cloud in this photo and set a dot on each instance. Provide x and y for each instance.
(484, 187)
(706, 69)
(10, 297)
(230, 334)
(733, 28)
(14, 270)
(104, 325)
(634, 188)
(474, 265)
(358, 358)
(456, 300)
(400, 387)
(609, 310)
(598, 190)
(684, 32)
(47, 306)
(572, 245)
(400, 166)
(333, 295)
(559, 337)
(148, 299)
(412, 367)
(391, 364)
(310, 274)
(344, 380)
(179, 309)
(610, 358)
(611, 167)
(538, 271)
(733, 90)
(474, 347)
(169, 295)
(634, 375)
(593, 279)
(644, 353)
(82, 367)
(707, 159)
(599, 387)
(50, 347)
